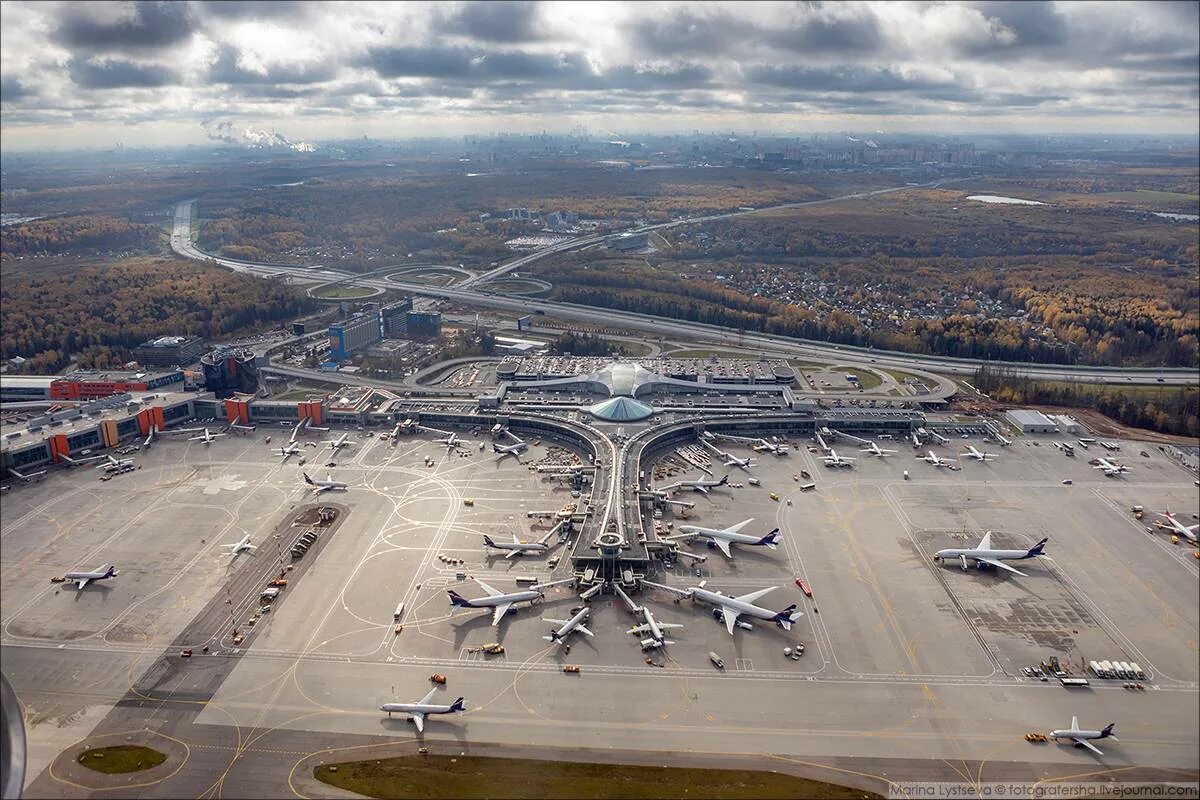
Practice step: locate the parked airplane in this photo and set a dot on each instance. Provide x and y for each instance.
(290, 450)
(516, 547)
(510, 449)
(566, 626)
(696, 485)
(1111, 468)
(205, 437)
(876, 450)
(734, 607)
(1187, 531)
(150, 437)
(724, 537)
(932, 458)
(977, 455)
(28, 477)
(656, 639)
(834, 460)
(452, 441)
(327, 485)
(113, 464)
(423, 708)
(729, 459)
(82, 579)
(501, 602)
(1082, 738)
(983, 554)
(240, 546)
(339, 443)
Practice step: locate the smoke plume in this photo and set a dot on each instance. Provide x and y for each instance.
(225, 131)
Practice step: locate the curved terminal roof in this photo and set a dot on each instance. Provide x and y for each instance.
(624, 379)
(621, 409)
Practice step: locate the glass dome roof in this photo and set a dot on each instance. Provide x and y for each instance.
(621, 409)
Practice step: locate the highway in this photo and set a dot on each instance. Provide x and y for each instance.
(182, 244)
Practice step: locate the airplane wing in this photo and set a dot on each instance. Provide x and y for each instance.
(1084, 742)
(986, 542)
(491, 592)
(499, 611)
(1074, 723)
(640, 629)
(1001, 565)
(582, 629)
(419, 720)
(82, 582)
(750, 598)
(512, 553)
(739, 526)
(700, 488)
(730, 616)
(427, 697)
(555, 621)
(724, 545)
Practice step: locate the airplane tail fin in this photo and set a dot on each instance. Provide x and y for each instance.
(1107, 731)
(723, 481)
(487, 540)
(458, 600)
(785, 618)
(307, 479)
(771, 539)
(110, 572)
(1037, 549)
(458, 705)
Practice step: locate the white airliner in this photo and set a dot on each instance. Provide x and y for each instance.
(290, 450)
(82, 579)
(696, 484)
(724, 537)
(729, 459)
(240, 546)
(28, 477)
(876, 450)
(452, 441)
(977, 455)
(656, 639)
(1111, 468)
(1081, 737)
(500, 602)
(516, 547)
(296, 430)
(1187, 531)
(113, 464)
(763, 446)
(933, 458)
(834, 460)
(419, 710)
(150, 437)
(205, 437)
(510, 450)
(734, 607)
(567, 626)
(339, 443)
(983, 554)
(327, 485)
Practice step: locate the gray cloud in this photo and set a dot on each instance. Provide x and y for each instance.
(11, 89)
(117, 74)
(153, 25)
(508, 21)
(226, 70)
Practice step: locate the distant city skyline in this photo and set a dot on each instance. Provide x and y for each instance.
(78, 75)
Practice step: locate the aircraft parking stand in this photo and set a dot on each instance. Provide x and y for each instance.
(905, 658)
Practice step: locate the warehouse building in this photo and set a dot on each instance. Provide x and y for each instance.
(169, 351)
(1030, 421)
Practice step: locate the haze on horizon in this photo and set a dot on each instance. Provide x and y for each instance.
(76, 74)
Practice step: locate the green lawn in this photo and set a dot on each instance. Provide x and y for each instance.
(866, 378)
(343, 292)
(121, 758)
(499, 778)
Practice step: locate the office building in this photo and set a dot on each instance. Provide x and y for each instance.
(355, 333)
(424, 323)
(393, 319)
(169, 351)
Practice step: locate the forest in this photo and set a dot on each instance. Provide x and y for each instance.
(99, 311)
(78, 234)
(1173, 409)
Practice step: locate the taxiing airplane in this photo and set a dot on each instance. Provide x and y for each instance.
(28, 477)
(876, 450)
(656, 639)
(1082, 738)
(421, 709)
(933, 458)
(724, 537)
(701, 485)
(1187, 531)
(516, 547)
(240, 546)
(327, 485)
(290, 450)
(339, 443)
(984, 556)
(834, 460)
(1111, 468)
(205, 437)
(82, 579)
(567, 626)
(977, 455)
(501, 602)
(734, 607)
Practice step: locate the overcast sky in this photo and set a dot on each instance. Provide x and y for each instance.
(150, 73)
